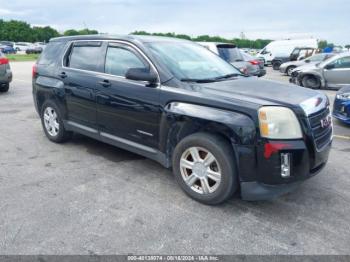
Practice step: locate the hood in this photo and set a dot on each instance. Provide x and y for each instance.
(259, 91)
(308, 66)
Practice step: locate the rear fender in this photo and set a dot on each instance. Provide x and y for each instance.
(47, 88)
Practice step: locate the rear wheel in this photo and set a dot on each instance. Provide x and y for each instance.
(204, 166)
(289, 70)
(52, 123)
(310, 81)
(4, 88)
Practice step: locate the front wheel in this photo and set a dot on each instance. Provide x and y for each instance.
(276, 65)
(311, 82)
(204, 167)
(52, 123)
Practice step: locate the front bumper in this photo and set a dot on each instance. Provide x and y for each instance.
(341, 110)
(263, 180)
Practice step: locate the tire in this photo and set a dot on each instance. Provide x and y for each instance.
(276, 65)
(53, 124)
(289, 70)
(4, 88)
(310, 81)
(222, 168)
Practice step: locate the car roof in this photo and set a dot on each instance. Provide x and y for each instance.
(141, 38)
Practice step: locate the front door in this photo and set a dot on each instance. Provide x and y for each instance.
(127, 110)
(339, 75)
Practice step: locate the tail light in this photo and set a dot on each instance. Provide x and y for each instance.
(254, 62)
(34, 70)
(4, 61)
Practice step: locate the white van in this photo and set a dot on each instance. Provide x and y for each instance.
(284, 48)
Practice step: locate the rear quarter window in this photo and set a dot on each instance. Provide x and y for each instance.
(51, 54)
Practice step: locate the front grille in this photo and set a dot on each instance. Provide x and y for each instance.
(321, 135)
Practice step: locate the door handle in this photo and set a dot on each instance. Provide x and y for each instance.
(105, 83)
(62, 75)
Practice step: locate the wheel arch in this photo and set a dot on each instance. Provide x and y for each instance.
(182, 119)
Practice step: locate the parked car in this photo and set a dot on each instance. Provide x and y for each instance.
(8, 43)
(341, 106)
(288, 67)
(284, 48)
(333, 73)
(181, 105)
(22, 46)
(299, 53)
(233, 55)
(42, 45)
(6, 49)
(256, 65)
(34, 50)
(5, 73)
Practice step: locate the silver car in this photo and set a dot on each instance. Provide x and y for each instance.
(288, 67)
(5, 73)
(333, 73)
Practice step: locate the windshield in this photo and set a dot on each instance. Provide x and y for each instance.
(317, 58)
(186, 60)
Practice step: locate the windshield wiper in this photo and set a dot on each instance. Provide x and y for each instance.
(228, 76)
(209, 80)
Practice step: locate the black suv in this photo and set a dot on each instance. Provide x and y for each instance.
(179, 104)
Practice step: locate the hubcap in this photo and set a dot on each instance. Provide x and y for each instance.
(200, 170)
(50, 120)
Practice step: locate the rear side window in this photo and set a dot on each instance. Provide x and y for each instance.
(119, 60)
(51, 53)
(85, 56)
(230, 53)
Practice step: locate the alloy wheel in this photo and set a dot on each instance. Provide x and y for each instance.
(200, 170)
(51, 121)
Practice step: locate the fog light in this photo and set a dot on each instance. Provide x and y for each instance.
(285, 165)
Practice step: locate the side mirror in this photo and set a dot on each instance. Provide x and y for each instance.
(307, 61)
(329, 66)
(141, 74)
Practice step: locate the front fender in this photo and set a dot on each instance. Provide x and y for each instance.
(182, 119)
(313, 73)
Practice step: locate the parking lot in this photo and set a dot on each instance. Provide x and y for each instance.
(86, 197)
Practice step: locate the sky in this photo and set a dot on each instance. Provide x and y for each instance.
(267, 19)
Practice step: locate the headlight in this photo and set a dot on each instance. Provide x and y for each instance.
(344, 96)
(279, 123)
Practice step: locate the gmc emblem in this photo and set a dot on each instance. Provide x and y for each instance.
(326, 122)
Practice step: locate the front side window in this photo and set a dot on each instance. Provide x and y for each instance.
(85, 56)
(186, 60)
(119, 60)
(343, 62)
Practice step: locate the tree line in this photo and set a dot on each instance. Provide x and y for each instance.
(241, 43)
(19, 31)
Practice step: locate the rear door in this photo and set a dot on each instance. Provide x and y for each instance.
(82, 62)
(339, 75)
